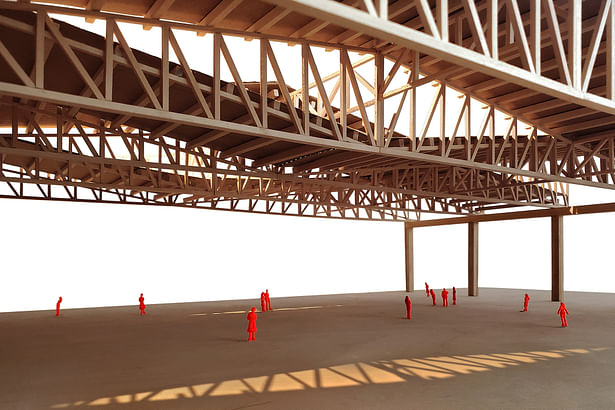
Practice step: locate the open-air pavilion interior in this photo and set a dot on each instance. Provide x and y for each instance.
(420, 113)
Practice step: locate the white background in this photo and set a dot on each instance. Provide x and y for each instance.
(105, 255)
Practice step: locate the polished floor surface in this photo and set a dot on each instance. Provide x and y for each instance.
(353, 351)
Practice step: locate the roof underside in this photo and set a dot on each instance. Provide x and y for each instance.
(569, 120)
(254, 16)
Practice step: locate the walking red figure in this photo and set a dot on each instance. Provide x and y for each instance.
(267, 300)
(562, 312)
(58, 306)
(454, 296)
(408, 306)
(252, 324)
(444, 297)
(427, 289)
(526, 302)
(433, 296)
(142, 305)
(263, 304)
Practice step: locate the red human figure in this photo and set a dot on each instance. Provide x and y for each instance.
(263, 304)
(433, 296)
(427, 289)
(267, 300)
(454, 296)
(252, 324)
(526, 302)
(408, 306)
(141, 305)
(562, 312)
(444, 297)
(58, 306)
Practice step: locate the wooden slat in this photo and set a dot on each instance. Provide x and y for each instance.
(476, 26)
(429, 23)
(242, 88)
(135, 65)
(323, 95)
(512, 8)
(17, 69)
(282, 85)
(190, 75)
(598, 30)
(558, 46)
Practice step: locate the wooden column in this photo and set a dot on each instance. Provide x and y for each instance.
(557, 258)
(473, 259)
(409, 234)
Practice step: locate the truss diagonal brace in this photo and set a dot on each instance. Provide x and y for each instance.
(357, 20)
(58, 98)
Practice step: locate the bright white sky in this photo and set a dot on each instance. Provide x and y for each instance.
(104, 255)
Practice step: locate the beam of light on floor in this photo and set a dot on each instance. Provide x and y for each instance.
(345, 375)
(236, 312)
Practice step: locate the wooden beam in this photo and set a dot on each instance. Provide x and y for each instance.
(556, 38)
(245, 97)
(442, 17)
(424, 10)
(557, 258)
(323, 95)
(263, 84)
(473, 259)
(164, 68)
(512, 8)
(285, 155)
(379, 95)
(409, 251)
(157, 9)
(492, 27)
(109, 57)
(402, 36)
(273, 16)
(575, 20)
(136, 67)
(535, 34)
(223, 9)
(189, 75)
(595, 42)
(507, 216)
(55, 97)
(476, 27)
(15, 66)
(610, 53)
(39, 50)
(283, 88)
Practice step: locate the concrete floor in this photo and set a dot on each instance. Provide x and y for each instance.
(325, 352)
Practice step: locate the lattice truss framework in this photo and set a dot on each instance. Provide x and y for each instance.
(133, 128)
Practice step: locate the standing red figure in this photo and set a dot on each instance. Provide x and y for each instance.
(526, 302)
(267, 300)
(454, 296)
(142, 305)
(408, 306)
(433, 296)
(252, 324)
(562, 312)
(263, 304)
(58, 306)
(427, 289)
(444, 297)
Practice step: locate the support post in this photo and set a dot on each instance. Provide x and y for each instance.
(575, 48)
(473, 259)
(409, 234)
(557, 258)
(379, 113)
